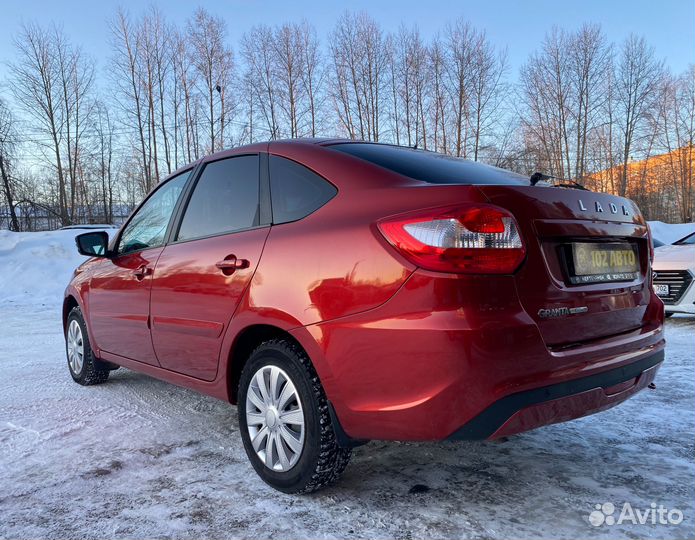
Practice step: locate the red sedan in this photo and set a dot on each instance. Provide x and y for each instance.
(341, 291)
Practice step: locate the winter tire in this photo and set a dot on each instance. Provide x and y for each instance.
(285, 422)
(84, 367)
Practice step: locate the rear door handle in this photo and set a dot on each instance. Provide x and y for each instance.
(141, 271)
(230, 264)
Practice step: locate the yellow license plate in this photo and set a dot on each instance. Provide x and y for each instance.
(597, 262)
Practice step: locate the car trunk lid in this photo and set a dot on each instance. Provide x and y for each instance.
(567, 307)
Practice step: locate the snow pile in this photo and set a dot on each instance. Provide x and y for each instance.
(35, 267)
(668, 233)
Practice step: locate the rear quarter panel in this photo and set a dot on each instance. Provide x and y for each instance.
(334, 262)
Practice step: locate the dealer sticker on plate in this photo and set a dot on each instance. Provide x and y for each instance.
(595, 262)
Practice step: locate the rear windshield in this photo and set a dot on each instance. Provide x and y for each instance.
(430, 167)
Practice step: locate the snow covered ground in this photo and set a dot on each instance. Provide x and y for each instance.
(139, 458)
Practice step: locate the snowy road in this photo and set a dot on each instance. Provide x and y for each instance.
(139, 458)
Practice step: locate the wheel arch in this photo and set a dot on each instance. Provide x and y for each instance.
(69, 303)
(75, 297)
(244, 344)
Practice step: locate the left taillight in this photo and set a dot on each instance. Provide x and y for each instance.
(476, 239)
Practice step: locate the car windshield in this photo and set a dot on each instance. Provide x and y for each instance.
(687, 241)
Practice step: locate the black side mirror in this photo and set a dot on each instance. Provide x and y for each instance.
(93, 244)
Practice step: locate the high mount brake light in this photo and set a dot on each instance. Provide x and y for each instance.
(476, 239)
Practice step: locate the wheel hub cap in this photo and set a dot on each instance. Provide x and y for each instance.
(271, 418)
(275, 418)
(75, 347)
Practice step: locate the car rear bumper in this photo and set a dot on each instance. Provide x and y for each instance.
(560, 402)
(411, 370)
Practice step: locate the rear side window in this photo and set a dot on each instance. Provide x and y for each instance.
(430, 167)
(225, 199)
(296, 191)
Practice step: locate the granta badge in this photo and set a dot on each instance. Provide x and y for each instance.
(554, 313)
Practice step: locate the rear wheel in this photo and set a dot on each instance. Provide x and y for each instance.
(284, 420)
(84, 367)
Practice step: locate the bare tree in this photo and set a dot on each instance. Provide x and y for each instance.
(128, 78)
(311, 73)
(76, 76)
(36, 89)
(439, 119)
(582, 108)
(359, 56)
(258, 51)
(155, 37)
(287, 60)
(105, 140)
(8, 136)
(51, 81)
(461, 43)
(184, 100)
(547, 90)
(487, 91)
(566, 97)
(678, 133)
(590, 58)
(638, 75)
(410, 74)
(213, 61)
(297, 79)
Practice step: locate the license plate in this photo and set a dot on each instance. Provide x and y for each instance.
(661, 290)
(599, 262)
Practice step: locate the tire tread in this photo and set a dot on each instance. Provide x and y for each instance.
(92, 372)
(333, 459)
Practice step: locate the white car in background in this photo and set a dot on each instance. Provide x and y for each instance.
(674, 274)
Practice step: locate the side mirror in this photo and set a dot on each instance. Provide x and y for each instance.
(93, 244)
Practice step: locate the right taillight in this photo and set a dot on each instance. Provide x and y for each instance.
(476, 239)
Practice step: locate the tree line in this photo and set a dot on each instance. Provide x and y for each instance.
(81, 141)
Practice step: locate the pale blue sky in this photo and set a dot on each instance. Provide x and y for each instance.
(668, 25)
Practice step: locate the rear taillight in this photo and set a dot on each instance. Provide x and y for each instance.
(477, 239)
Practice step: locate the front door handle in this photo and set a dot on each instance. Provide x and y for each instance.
(230, 264)
(141, 271)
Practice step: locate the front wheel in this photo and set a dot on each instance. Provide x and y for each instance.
(284, 420)
(84, 367)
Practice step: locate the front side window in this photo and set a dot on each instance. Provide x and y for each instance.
(225, 199)
(296, 191)
(147, 228)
